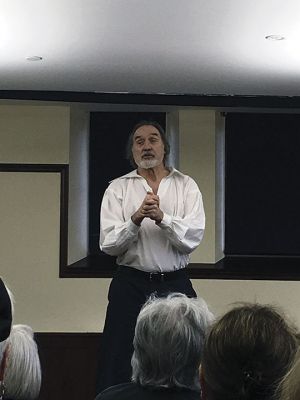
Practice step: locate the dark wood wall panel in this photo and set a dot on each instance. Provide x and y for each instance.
(69, 365)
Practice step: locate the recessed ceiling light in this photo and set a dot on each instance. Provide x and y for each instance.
(34, 58)
(274, 37)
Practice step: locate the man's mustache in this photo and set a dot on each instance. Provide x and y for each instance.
(147, 153)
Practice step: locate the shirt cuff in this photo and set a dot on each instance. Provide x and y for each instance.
(165, 222)
(132, 227)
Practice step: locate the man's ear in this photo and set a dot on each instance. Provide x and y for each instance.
(202, 384)
(3, 362)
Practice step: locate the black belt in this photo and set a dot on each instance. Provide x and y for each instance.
(153, 276)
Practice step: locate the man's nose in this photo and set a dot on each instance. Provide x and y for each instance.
(147, 146)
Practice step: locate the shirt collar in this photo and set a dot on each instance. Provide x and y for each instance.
(134, 174)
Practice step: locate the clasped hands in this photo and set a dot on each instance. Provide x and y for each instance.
(148, 209)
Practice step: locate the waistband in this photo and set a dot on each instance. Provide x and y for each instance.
(153, 276)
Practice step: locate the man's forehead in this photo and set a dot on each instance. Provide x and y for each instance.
(146, 130)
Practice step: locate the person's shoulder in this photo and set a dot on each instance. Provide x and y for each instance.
(186, 179)
(178, 174)
(116, 182)
(122, 391)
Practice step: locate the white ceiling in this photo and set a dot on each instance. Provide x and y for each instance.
(151, 46)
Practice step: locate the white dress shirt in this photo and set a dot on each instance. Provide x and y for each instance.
(152, 247)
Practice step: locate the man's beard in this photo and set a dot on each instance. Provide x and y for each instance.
(147, 164)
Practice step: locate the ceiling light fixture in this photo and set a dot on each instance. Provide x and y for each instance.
(34, 58)
(274, 37)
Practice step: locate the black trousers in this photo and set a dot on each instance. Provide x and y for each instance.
(128, 291)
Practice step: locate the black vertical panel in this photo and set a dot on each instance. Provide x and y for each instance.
(262, 190)
(109, 132)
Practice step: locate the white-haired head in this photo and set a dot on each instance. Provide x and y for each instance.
(168, 341)
(22, 374)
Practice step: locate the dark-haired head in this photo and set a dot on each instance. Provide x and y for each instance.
(163, 136)
(246, 354)
(289, 388)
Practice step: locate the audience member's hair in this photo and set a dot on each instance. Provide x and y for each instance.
(3, 346)
(168, 342)
(246, 354)
(22, 374)
(289, 388)
(163, 136)
(6, 311)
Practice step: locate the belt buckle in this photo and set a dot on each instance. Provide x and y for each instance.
(156, 276)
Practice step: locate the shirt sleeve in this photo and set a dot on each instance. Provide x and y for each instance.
(187, 232)
(116, 234)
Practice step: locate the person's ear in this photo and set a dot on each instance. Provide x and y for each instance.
(3, 362)
(202, 384)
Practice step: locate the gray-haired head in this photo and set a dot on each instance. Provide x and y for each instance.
(3, 346)
(246, 353)
(163, 136)
(168, 341)
(22, 374)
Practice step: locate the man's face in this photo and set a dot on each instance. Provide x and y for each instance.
(148, 149)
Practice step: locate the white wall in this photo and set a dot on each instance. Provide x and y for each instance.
(197, 142)
(34, 134)
(78, 186)
(29, 230)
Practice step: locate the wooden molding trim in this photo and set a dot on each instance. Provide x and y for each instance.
(230, 267)
(175, 99)
(63, 169)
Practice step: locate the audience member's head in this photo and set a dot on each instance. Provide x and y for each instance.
(290, 385)
(168, 342)
(5, 327)
(246, 354)
(5, 312)
(20, 370)
(22, 374)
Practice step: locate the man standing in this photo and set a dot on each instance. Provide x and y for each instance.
(151, 219)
